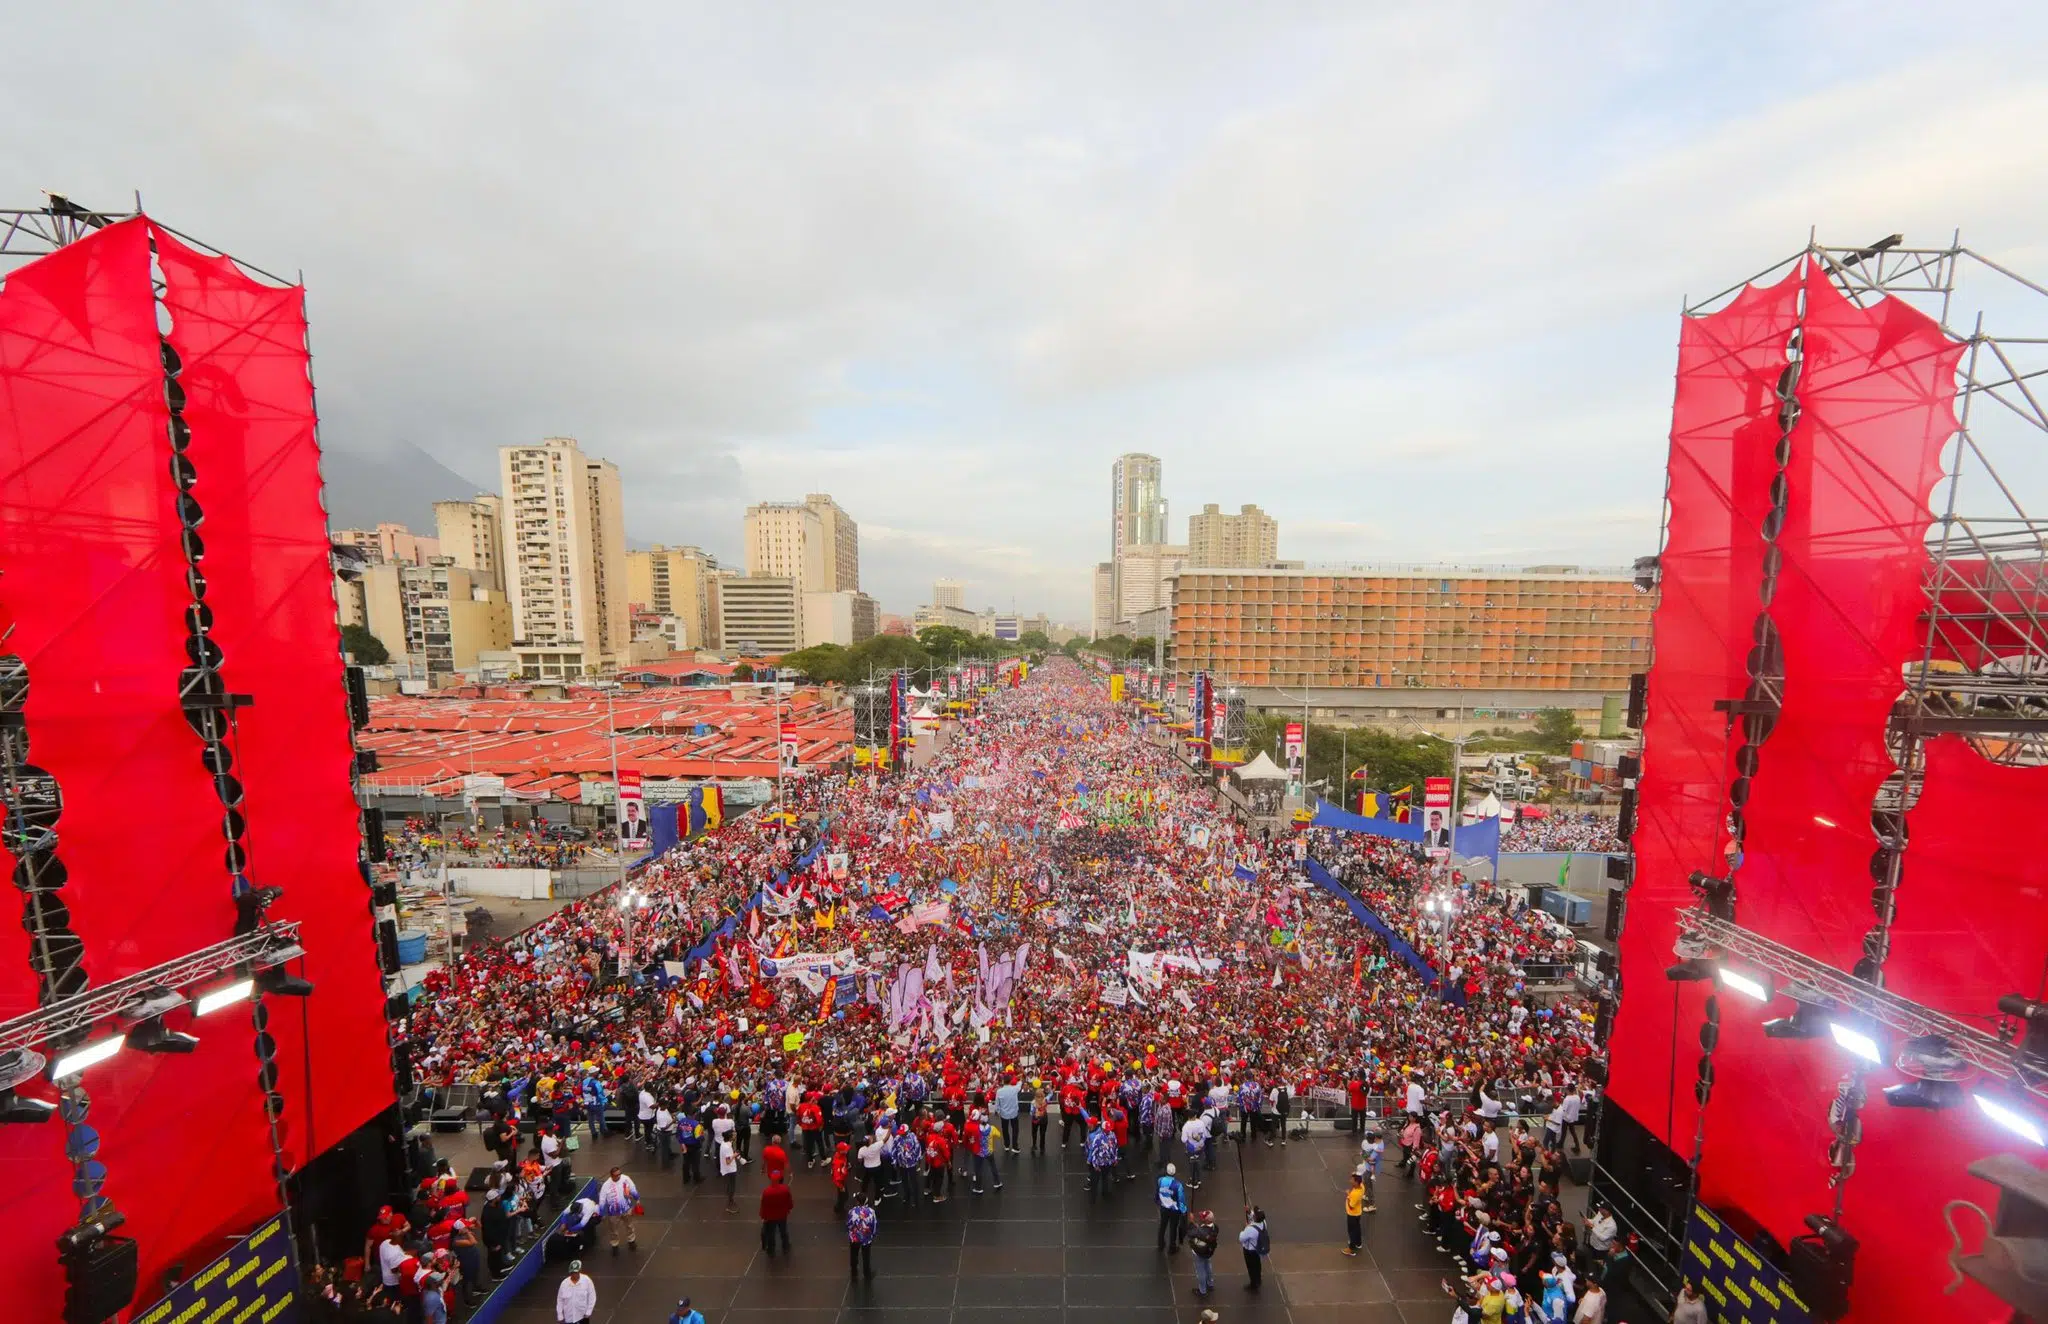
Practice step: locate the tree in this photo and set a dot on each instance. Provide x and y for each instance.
(1391, 761)
(1034, 641)
(885, 652)
(362, 646)
(1556, 730)
(744, 671)
(824, 663)
(946, 643)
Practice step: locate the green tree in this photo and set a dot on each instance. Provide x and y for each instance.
(1034, 641)
(884, 652)
(1556, 729)
(946, 644)
(362, 646)
(744, 671)
(824, 663)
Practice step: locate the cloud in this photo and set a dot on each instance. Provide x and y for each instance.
(1407, 278)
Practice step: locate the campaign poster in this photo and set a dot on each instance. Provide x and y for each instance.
(1296, 745)
(788, 743)
(1436, 816)
(633, 826)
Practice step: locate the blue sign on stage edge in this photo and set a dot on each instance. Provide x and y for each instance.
(257, 1282)
(1744, 1287)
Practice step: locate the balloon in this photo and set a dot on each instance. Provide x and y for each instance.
(705, 1057)
(727, 1041)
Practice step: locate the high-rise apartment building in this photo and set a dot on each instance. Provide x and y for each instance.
(434, 618)
(1249, 538)
(471, 534)
(786, 540)
(842, 545)
(1102, 619)
(678, 582)
(760, 614)
(841, 618)
(1542, 629)
(563, 545)
(1137, 503)
(388, 542)
(949, 593)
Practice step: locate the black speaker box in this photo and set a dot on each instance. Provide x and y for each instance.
(1638, 700)
(1580, 1169)
(1617, 907)
(99, 1280)
(358, 697)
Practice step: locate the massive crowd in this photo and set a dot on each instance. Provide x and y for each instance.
(1054, 919)
(1587, 832)
(420, 842)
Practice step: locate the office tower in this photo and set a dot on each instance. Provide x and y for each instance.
(1249, 538)
(1102, 621)
(949, 593)
(678, 582)
(1137, 503)
(471, 534)
(760, 614)
(786, 540)
(563, 546)
(842, 545)
(1145, 578)
(840, 618)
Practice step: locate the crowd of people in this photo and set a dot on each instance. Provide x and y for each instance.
(1053, 925)
(1559, 832)
(419, 843)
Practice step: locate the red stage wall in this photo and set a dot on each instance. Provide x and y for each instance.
(1877, 396)
(249, 399)
(93, 577)
(1723, 429)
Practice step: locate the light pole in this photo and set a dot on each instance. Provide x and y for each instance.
(618, 801)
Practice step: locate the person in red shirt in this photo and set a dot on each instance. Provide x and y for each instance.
(1120, 1126)
(1071, 1100)
(810, 1119)
(841, 1160)
(938, 1155)
(1356, 1089)
(774, 1158)
(776, 1203)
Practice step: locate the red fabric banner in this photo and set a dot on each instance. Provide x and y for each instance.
(93, 582)
(1878, 403)
(1723, 433)
(250, 404)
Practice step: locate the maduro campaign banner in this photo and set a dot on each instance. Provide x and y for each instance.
(784, 967)
(256, 1282)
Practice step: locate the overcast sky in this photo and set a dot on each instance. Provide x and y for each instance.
(1406, 276)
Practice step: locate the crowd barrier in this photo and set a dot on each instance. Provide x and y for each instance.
(526, 1268)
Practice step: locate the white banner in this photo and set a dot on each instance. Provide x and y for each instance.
(782, 967)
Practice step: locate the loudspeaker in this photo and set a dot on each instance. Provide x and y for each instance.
(1621, 869)
(1628, 767)
(1625, 820)
(387, 946)
(373, 836)
(1821, 1276)
(99, 1279)
(358, 697)
(366, 761)
(1580, 1169)
(1617, 903)
(1638, 700)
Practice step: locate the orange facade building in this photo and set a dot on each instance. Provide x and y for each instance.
(1440, 629)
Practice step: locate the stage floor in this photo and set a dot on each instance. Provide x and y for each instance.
(1037, 1250)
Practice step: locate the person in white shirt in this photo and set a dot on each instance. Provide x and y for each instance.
(576, 1298)
(1415, 1098)
(550, 1151)
(664, 1135)
(1489, 1107)
(1489, 1140)
(617, 1199)
(1600, 1232)
(1592, 1306)
(1573, 1108)
(389, 1256)
(1553, 1127)
(646, 1116)
(729, 1161)
(1194, 1138)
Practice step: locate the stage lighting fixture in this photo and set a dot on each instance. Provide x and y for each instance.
(2011, 1119)
(1716, 894)
(1754, 986)
(224, 996)
(153, 1037)
(1857, 1042)
(91, 1055)
(18, 1066)
(1933, 1095)
(149, 1004)
(277, 953)
(1809, 1018)
(1693, 970)
(283, 983)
